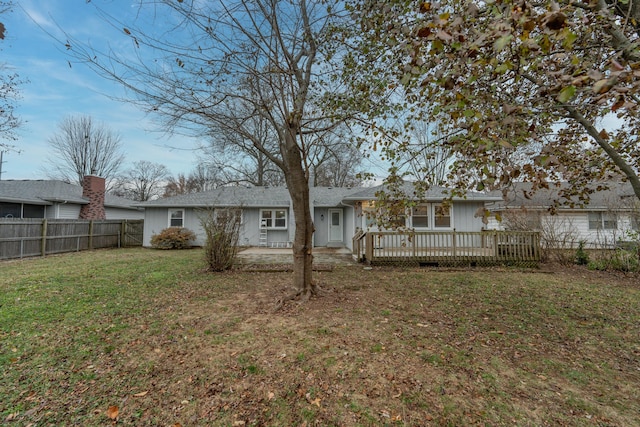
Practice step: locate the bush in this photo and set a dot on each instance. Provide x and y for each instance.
(582, 257)
(620, 260)
(173, 238)
(222, 228)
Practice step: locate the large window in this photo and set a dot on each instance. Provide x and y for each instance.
(273, 218)
(176, 217)
(440, 213)
(602, 221)
(10, 210)
(420, 216)
(441, 216)
(33, 211)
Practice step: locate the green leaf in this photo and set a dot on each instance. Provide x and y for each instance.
(566, 94)
(502, 42)
(503, 68)
(569, 37)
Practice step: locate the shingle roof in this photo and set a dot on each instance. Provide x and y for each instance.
(250, 197)
(520, 195)
(256, 197)
(432, 194)
(45, 192)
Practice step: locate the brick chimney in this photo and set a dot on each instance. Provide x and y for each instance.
(93, 190)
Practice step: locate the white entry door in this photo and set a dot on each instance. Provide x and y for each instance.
(335, 225)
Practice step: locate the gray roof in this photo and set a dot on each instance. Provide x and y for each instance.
(250, 197)
(47, 192)
(433, 194)
(603, 196)
(259, 197)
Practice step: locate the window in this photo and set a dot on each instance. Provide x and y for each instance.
(369, 214)
(533, 221)
(442, 216)
(274, 218)
(397, 221)
(10, 210)
(176, 217)
(420, 216)
(602, 221)
(33, 211)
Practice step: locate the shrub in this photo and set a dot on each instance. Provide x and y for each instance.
(582, 257)
(222, 228)
(173, 238)
(620, 260)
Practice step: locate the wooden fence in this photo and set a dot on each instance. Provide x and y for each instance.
(21, 238)
(452, 247)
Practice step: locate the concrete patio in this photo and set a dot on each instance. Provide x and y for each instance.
(258, 255)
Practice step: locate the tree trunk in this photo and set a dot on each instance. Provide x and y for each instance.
(298, 186)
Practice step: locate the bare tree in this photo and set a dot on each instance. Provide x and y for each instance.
(82, 147)
(239, 161)
(202, 178)
(9, 82)
(144, 181)
(427, 158)
(218, 64)
(335, 163)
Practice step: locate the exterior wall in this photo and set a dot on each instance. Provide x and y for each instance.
(250, 230)
(349, 226)
(116, 213)
(567, 229)
(321, 221)
(157, 219)
(464, 216)
(63, 211)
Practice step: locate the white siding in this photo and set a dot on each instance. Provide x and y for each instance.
(464, 216)
(567, 229)
(117, 213)
(64, 211)
(157, 219)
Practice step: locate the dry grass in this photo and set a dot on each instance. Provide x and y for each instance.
(150, 333)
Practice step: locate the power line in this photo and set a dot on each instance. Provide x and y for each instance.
(1, 163)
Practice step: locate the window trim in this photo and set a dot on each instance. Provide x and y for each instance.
(171, 211)
(431, 217)
(428, 216)
(602, 220)
(449, 208)
(274, 218)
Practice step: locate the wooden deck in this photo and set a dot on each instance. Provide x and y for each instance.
(447, 248)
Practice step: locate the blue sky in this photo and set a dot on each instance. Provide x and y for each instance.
(56, 90)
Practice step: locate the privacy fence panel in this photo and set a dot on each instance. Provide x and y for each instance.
(21, 238)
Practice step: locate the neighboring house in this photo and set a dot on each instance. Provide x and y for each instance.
(60, 200)
(338, 213)
(610, 216)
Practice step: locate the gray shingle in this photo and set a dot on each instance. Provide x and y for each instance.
(45, 192)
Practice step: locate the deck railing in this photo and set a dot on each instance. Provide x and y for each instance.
(447, 247)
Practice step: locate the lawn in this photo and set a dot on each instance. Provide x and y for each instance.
(147, 338)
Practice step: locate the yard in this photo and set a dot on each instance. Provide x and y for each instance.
(138, 337)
